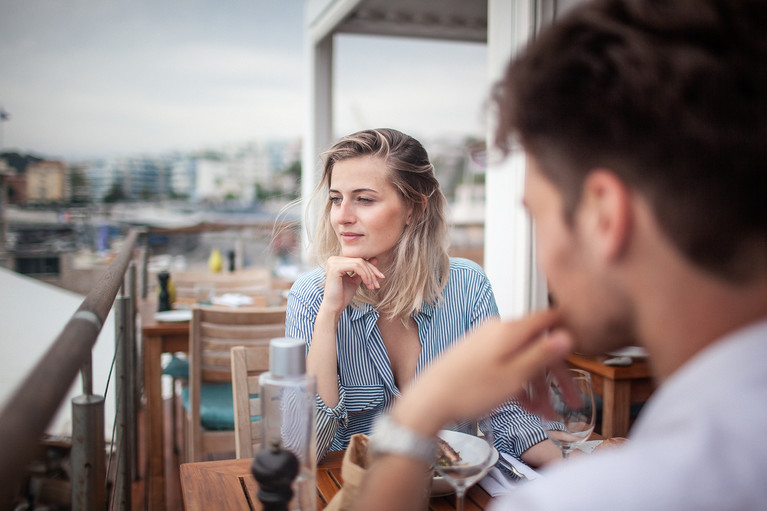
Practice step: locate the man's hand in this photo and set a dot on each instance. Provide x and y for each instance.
(499, 361)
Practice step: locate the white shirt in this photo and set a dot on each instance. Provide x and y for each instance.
(699, 444)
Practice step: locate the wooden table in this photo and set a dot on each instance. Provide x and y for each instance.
(229, 485)
(618, 386)
(157, 338)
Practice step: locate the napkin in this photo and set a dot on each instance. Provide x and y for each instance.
(232, 299)
(497, 483)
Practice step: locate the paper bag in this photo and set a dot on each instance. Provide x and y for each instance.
(353, 467)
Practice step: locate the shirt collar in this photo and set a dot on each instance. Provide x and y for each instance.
(357, 313)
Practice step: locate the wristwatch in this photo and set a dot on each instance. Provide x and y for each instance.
(390, 437)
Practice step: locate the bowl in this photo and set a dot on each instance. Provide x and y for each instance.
(465, 445)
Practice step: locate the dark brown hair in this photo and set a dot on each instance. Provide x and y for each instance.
(672, 97)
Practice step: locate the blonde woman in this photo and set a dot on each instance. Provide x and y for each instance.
(386, 299)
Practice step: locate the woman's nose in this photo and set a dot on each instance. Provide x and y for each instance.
(344, 213)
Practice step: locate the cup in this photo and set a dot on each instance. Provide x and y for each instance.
(204, 293)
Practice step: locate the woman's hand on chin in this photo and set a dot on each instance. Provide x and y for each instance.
(345, 274)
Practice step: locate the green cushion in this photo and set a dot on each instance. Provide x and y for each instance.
(177, 368)
(216, 406)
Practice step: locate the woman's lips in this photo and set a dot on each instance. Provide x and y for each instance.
(349, 236)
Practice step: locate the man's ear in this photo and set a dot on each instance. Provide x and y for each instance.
(605, 213)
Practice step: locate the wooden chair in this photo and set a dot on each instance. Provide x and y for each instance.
(209, 424)
(247, 365)
(252, 282)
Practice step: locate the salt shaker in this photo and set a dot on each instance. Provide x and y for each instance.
(288, 414)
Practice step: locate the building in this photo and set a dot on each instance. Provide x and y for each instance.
(47, 182)
(505, 26)
(136, 178)
(232, 174)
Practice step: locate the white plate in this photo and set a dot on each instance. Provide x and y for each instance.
(629, 351)
(173, 316)
(440, 485)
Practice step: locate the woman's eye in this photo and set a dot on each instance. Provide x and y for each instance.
(364, 199)
(335, 200)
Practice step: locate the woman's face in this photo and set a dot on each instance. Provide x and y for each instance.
(366, 211)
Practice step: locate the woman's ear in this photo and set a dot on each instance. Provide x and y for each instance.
(417, 211)
(605, 213)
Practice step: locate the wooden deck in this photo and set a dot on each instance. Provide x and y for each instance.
(173, 500)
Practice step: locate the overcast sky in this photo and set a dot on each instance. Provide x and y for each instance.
(87, 78)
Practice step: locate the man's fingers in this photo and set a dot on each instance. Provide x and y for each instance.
(542, 353)
(529, 329)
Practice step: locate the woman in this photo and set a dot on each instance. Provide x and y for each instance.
(386, 299)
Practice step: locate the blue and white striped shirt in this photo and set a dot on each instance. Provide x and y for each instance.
(365, 379)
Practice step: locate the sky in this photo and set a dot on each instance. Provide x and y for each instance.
(96, 78)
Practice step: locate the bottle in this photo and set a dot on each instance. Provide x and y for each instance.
(215, 262)
(288, 414)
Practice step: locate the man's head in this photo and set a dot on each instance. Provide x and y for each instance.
(645, 102)
(671, 97)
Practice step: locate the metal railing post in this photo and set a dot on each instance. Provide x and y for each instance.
(122, 489)
(29, 409)
(131, 368)
(145, 265)
(88, 454)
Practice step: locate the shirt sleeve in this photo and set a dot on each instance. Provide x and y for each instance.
(328, 422)
(299, 323)
(485, 306)
(516, 430)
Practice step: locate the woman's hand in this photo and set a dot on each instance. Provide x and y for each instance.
(344, 275)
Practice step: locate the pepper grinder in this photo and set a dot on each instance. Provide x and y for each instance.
(288, 403)
(275, 468)
(163, 298)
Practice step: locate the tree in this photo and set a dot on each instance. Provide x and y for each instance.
(116, 194)
(18, 161)
(78, 184)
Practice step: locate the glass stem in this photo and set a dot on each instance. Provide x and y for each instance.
(459, 499)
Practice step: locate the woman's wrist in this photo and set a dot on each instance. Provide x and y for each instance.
(329, 314)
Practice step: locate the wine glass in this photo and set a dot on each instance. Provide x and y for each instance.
(571, 425)
(476, 455)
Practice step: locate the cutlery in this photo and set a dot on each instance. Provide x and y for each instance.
(509, 469)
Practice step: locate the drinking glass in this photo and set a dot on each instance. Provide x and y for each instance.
(570, 426)
(477, 456)
(204, 293)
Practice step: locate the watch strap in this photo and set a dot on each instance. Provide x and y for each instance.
(390, 437)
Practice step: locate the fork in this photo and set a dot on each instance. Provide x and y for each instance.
(509, 469)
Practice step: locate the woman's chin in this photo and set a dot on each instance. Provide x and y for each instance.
(354, 254)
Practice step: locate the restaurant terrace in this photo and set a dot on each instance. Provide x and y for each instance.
(144, 435)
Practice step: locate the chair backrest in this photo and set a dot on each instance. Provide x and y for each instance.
(213, 332)
(250, 281)
(248, 363)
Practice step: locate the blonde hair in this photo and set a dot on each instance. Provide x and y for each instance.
(421, 264)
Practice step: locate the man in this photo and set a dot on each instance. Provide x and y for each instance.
(645, 127)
